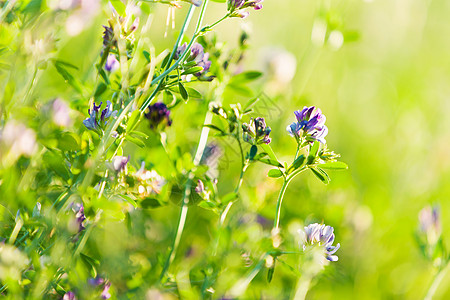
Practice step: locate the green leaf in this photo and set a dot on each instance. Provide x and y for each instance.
(271, 162)
(165, 61)
(64, 63)
(208, 205)
(245, 77)
(69, 78)
(270, 272)
(135, 141)
(192, 70)
(69, 141)
(101, 88)
(146, 55)
(56, 163)
(269, 152)
(321, 174)
(298, 162)
(134, 119)
(253, 151)
(183, 92)
(129, 200)
(193, 93)
(151, 203)
(275, 173)
(313, 150)
(334, 165)
(240, 89)
(259, 156)
(250, 103)
(215, 128)
(103, 74)
(168, 96)
(90, 263)
(139, 134)
(229, 197)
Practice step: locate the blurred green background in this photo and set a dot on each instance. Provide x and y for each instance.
(380, 72)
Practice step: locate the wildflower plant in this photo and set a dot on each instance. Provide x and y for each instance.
(95, 193)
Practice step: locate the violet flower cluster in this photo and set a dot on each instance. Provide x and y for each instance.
(320, 235)
(97, 120)
(256, 132)
(236, 7)
(159, 115)
(111, 63)
(197, 55)
(430, 224)
(77, 224)
(310, 125)
(99, 281)
(119, 163)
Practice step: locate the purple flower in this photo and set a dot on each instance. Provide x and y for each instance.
(69, 296)
(61, 113)
(200, 188)
(159, 115)
(197, 55)
(98, 120)
(108, 36)
(322, 236)
(236, 4)
(96, 281)
(430, 224)
(256, 132)
(236, 7)
(133, 26)
(180, 51)
(120, 163)
(76, 224)
(105, 292)
(196, 2)
(310, 124)
(111, 63)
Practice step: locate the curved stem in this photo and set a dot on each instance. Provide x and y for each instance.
(436, 282)
(240, 287)
(276, 223)
(302, 287)
(187, 192)
(286, 182)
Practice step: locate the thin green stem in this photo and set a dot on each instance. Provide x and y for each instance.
(241, 286)
(276, 223)
(31, 86)
(286, 182)
(436, 282)
(187, 192)
(302, 287)
(296, 153)
(200, 148)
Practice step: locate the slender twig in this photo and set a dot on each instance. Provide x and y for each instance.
(276, 223)
(187, 192)
(437, 281)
